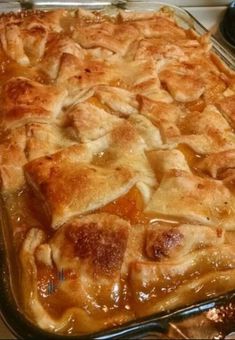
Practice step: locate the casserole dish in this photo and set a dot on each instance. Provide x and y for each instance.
(57, 218)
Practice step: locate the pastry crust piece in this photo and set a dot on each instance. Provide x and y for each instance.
(12, 159)
(120, 101)
(220, 165)
(164, 242)
(68, 186)
(114, 37)
(90, 252)
(163, 161)
(163, 114)
(27, 101)
(23, 144)
(81, 74)
(54, 50)
(12, 43)
(34, 39)
(44, 139)
(192, 90)
(88, 122)
(185, 196)
(209, 120)
(159, 27)
(227, 107)
(94, 244)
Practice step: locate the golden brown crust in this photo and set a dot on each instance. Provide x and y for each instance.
(113, 37)
(227, 107)
(12, 44)
(118, 132)
(26, 100)
(12, 158)
(165, 242)
(87, 187)
(44, 139)
(180, 195)
(55, 48)
(159, 26)
(90, 252)
(88, 122)
(91, 239)
(217, 164)
(192, 90)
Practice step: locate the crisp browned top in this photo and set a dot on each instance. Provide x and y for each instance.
(117, 165)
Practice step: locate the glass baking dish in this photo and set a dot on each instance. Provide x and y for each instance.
(11, 311)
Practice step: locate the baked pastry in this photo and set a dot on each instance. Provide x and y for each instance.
(117, 165)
